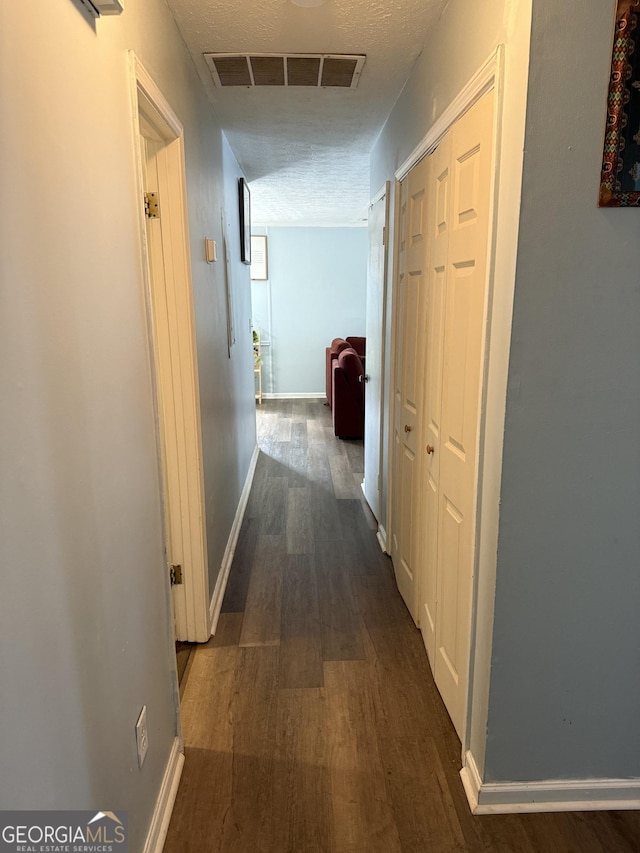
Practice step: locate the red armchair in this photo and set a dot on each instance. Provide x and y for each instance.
(332, 353)
(359, 345)
(347, 402)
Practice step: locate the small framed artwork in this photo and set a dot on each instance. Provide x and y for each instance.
(244, 198)
(620, 179)
(259, 271)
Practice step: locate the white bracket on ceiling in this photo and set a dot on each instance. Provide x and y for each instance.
(104, 7)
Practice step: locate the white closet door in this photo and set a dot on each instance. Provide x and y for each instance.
(439, 209)
(456, 444)
(411, 302)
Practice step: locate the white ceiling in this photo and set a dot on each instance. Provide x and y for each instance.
(304, 150)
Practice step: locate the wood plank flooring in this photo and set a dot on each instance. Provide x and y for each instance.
(311, 720)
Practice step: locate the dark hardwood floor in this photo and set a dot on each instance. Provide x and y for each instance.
(183, 653)
(311, 720)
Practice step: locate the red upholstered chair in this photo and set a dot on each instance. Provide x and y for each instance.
(348, 395)
(332, 352)
(359, 345)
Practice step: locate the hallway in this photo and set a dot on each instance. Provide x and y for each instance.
(311, 721)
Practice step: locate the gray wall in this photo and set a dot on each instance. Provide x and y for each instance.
(316, 292)
(565, 692)
(226, 380)
(85, 638)
(456, 48)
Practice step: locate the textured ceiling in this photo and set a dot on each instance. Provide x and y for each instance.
(305, 151)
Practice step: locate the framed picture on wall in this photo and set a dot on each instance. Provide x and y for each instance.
(244, 198)
(620, 179)
(259, 271)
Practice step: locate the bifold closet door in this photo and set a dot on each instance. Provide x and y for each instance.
(460, 190)
(408, 383)
(439, 215)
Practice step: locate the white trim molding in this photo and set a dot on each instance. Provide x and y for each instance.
(482, 81)
(303, 395)
(223, 575)
(564, 795)
(152, 103)
(166, 799)
(381, 536)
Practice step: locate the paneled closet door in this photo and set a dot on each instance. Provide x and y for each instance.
(408, 382)
(439, 214)
(461, 190)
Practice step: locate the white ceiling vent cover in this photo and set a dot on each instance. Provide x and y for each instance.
(104, 7)
(336, 70)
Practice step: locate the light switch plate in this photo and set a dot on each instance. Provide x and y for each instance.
(142, 736)
(210, 250)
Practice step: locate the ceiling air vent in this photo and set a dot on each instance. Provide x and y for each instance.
(271, 69)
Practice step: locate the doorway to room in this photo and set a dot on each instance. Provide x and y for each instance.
(171, 328)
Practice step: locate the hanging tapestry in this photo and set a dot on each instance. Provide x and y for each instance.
(620, 181)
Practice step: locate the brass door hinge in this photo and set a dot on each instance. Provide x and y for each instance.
(175, 575)
(151, 206)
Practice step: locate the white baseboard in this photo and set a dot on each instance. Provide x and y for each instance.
(566, 795)
(306, 395)
(381, 536)
(223, 575)
(166, 798)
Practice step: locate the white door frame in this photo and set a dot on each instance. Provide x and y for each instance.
(183, 493)
(393, 355)
(367, 487)
(493, 396)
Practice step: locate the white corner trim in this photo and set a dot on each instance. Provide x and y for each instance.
(382, 192)
(480, 83)
(223, 575)
(471, 781)
(166, 799)
(293, 395)
(565, 795)
(381, 536)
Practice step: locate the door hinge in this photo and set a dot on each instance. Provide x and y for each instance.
(151, 206)
(175, 575)
(384, 235)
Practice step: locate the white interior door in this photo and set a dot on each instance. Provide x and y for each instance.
(173, 350)
(457, 288)
(376, 296)
(409, 348)
(163, 318)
